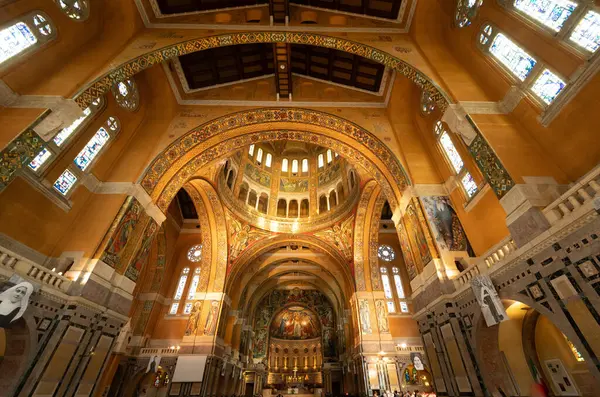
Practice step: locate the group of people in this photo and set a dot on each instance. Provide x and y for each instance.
(396, 393)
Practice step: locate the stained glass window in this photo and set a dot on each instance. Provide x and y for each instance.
(91, 150)
(259, 154)
(194, 254)
(284, 165)
(548, 86)
(486, 33)
(574, 350)
(438, 128)
(42, 25)
(587, 32)
(113, 124)
(126, 94)
(187, 309)
(391, 307)
(174, 308)
(251, 150)
(74, 9)
(181, 284)
(65, 133)
(512, 56)
(387, 288)
(305, 165)
(398, 283)
(404, 307)
(321, 160)
(268, 160)
(466, 11)
(329, 156)
(386, 253)
(294, 166)
(15, 39)
(427, 103)
(469, 184)
(65, 182)
(194, 284)
(551, 13)
(451, 152)
(40, 159)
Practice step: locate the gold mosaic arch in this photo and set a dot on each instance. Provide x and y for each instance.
(360, 224)
(275, 240)
(127, 69)
(221, 137)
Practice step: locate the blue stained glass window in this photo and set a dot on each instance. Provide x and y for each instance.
(91, 150)
(15, 39)
(587, 32)
(451, 152)
(469, 184)
(65, 182)
(551, 13)
(62, 136)
(40, 159)
(548, 86)
(512, 56)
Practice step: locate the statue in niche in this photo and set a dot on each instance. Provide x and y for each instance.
(211, 320)
(192, 325)
(365, 322)
(382, 320)
(488, 299)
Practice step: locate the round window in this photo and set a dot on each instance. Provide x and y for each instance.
(386, 253)
(195, 253)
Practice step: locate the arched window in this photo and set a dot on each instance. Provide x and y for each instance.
(294, 167)
(192, 291)
(126, 94)
(284, 165)
(75, 9)
(587, 32)
(550, 13)
(57, 144)
(466, 11)
(305, 166)
(387, 289)
(268, 160)
(329, 156)
(398, 283)
(427, 103)
(543, 84)
(321, 162)
(179, 291)
(259, 155)
(251, 151)
(453, 157)
(25, 35)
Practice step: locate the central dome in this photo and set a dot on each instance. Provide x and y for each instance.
(277, 184)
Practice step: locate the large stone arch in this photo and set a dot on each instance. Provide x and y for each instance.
(221, 137)
(176, 44)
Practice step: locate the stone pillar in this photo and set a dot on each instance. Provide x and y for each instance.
(275, 177)
(313, 185)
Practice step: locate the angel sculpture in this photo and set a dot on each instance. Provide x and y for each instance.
(241, 237)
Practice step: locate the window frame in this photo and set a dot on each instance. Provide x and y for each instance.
(387, 269)
(133, 94)
(42, 40)
(534, 74)
(85, 10)
(468, 13)
(177, 302)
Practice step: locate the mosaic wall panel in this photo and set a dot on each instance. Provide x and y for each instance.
(161, 260)
(411, 268)
(418, 233)
(374, 244)
(258, 176)
(120, 231)
(272, 303)
(18, 154)
(492, 169)
(293, 185)
(135, 267)
(329, 174)
(205, 231)
(360, 224)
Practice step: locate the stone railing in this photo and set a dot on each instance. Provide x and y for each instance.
(28, 269)
(577, 200)
(491, 257)
(159, 351)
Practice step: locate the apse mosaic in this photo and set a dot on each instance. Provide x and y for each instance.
(311, 307)
(295, 323)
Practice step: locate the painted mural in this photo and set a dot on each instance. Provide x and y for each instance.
(295, 323)
(406, 252)
(258, 176)
(329, 173)
(119, 235)
(447, 229)
(135, 268)
(294, 300)
(290, 185)
(417, 238)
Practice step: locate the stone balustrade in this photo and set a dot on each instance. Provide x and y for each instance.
(30, 270)
(577, 200)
